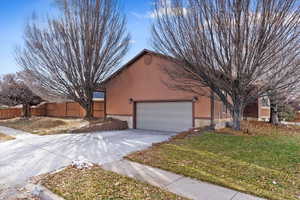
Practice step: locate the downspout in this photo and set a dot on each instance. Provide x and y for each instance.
(212, 110)
(105, 99)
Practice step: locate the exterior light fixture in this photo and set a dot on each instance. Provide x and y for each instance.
(195, 99)
(130, 100)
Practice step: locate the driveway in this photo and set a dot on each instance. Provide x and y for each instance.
(31, 155)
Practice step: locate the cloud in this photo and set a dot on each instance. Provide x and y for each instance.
(138, 15)
(165, 7)
(132, 41)
(167, 11)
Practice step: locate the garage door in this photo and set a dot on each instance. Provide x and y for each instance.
(164, 116)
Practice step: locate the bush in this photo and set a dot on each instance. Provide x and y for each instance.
(286, 113)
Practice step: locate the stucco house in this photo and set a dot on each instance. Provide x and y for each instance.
(137, 93)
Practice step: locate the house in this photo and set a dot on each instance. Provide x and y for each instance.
(137, 93)
(295, 104)
(258, 110)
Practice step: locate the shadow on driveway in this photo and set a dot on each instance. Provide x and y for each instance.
(31, 156)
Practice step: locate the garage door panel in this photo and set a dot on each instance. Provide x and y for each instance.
(164, 116)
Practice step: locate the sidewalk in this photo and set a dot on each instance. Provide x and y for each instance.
(177, 184)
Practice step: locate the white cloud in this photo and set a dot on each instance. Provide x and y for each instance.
(138, 15)
(132, 41)
(165, 7)
(167, 11)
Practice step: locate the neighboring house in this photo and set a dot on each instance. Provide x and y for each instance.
(259, 110)
(295, 105)
(136, 93)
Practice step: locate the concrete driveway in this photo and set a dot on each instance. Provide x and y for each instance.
(30, 155)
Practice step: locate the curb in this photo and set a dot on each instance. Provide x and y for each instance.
(42, 192)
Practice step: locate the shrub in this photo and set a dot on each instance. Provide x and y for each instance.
(287, 113)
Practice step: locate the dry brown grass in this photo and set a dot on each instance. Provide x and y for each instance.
(96, 183)
(259, 128)
(45, 125)
(4, 137)
(49, 125)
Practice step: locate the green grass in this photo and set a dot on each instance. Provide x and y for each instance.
(263, 165)
(98, 184)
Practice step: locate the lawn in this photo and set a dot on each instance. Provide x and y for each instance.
(262, 160)
(4, 137)
(96, 183)
(44, 125)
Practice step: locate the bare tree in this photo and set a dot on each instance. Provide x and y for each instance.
(14, 91)
(37, 88)
(286, 90)
(229, 46)
(72, 55)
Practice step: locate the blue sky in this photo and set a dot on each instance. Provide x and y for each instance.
(15, 13)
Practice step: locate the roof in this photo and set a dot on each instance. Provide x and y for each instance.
(133, 60)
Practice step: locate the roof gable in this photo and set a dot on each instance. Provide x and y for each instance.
(130, 62)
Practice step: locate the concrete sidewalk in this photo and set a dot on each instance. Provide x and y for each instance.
(183, 186)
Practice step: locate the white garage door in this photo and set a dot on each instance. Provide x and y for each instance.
(164, 116)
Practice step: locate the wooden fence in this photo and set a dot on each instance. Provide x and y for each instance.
(66, 109)
(9, 113)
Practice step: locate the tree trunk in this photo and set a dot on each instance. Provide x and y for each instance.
(26, 111)
(274, 118)
(237, 115)
(89, 111)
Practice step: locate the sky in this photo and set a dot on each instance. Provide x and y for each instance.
(15, 13)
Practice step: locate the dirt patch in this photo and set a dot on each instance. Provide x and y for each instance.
(4, 137)
(104, 125)
(45, 125)
(49, 126)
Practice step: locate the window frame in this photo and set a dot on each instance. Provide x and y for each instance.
(263, 101)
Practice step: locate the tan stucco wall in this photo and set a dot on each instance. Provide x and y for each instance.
(143, 82)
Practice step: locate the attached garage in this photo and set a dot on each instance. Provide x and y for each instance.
(164, 116)
(139, 93)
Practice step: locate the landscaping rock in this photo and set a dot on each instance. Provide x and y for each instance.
(82, 163)
(36, 191)
(109, 124)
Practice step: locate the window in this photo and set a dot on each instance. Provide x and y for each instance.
(265, 102)
(98, 96)
(224, 107)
